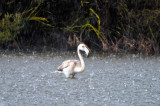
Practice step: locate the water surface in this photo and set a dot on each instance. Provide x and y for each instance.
(123, 80)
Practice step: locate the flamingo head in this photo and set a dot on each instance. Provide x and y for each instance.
(84, 48)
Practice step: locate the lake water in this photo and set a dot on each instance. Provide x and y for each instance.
(108, 80)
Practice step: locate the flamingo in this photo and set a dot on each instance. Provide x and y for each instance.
(71, 67)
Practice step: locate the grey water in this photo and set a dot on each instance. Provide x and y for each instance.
(108, 80)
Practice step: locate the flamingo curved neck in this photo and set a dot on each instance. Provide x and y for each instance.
(81, 60)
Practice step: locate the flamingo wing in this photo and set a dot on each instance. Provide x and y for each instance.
(67, 63)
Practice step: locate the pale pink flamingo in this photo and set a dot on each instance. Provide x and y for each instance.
(71, 67)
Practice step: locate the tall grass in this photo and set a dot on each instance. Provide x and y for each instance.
(10, 26)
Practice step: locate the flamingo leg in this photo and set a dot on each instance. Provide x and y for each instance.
(73, 75)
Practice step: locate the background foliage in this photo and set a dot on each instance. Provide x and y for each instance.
(106, 25)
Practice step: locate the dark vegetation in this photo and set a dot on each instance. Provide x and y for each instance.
(104, 25)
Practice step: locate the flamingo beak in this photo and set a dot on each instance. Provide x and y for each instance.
(86, 51)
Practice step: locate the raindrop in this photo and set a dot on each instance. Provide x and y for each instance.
(65, 80)
(106, 62)
(92, 74)
(26, 61)
(133, 82)
(91, 85)
(154, 79)
(140, 75)
(93, 58)
(123, 91)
